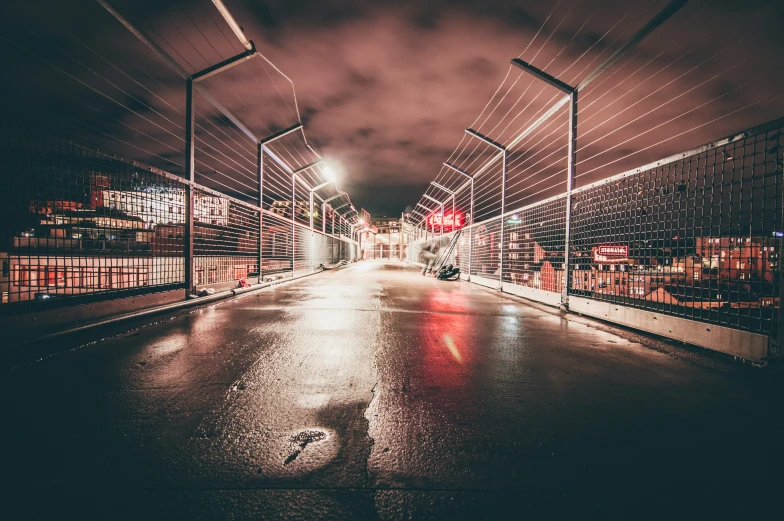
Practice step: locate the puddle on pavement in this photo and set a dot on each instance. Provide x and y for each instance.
(301, 440)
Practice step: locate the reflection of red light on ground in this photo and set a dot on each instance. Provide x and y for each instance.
(445, 340)
(450, 344)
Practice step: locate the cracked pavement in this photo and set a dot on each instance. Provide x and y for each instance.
(374, 393)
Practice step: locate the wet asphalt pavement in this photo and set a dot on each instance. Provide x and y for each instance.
(374, 393)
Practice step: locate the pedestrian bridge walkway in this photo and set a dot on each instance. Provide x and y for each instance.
(372, 392)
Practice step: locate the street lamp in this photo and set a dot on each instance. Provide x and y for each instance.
(324, 213)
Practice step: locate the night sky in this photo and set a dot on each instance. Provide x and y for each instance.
(386, 89)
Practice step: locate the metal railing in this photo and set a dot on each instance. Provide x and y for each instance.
(694, 236)
(80, 225)
(697, 235)
(211, 186)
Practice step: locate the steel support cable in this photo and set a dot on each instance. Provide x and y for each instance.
(666, 67)
(119, 70)
(723, 71)
(191, 66)
(209, 114)
(217, 53)
(213, 180)
(584, 68)
(596, 85)
(248, 110)
(524, 157)
(518, 175)
(211, 167)
(95, 90)
(501, 85)
(294, 111)
(150, 154)
(173, 49)
(552, 33)
(126, 125)
(712, 78)
(248, 172)
(540, 29)
(537, 54)
(210, 14)
(781, 67)
(546, 67)
(592, 61)
(207, 117)
(622, 81)
(204, 149)
(564, 135)
(274, 83)
(504, 81)
(172, 23)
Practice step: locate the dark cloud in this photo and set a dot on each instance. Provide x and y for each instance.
(386, 89)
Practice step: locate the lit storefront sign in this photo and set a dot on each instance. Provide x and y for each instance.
(611, 253)
(449, 222)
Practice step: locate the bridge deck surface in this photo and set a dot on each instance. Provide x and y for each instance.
(433, 400)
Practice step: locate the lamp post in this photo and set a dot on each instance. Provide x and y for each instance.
(294, 178)
(502, 152)
(471, 229)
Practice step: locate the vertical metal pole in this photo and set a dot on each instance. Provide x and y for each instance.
(324, 218)
(312, 241)
(260, 155)
(442, 221)
(453, 212)
(190, 171)
(779, 348)
(310, 203)
(471, 233)
(293, 226)
(503, 219)
(571, 168)
(402, 221)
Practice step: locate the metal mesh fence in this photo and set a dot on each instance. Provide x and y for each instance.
(697, 237)
(276, 245)
(534, 242)
(225, 240)
(78, 224)
(486, 257)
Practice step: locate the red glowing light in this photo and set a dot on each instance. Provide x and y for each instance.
(449, 222)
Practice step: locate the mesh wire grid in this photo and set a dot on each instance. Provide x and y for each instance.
(225, 239)
(80, 225)
(698, 237)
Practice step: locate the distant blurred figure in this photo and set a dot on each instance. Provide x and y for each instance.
(430, 255)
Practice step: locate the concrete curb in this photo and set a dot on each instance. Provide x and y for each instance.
(192, 301)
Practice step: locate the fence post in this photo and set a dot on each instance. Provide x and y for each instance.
(571, 167)
(503, 217)
(312, 239)
(260, 156)
(779, 348)
(293, 225)
(190, 171)
(471, 233)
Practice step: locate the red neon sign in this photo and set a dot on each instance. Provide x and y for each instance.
(435, 220)
(613, 250)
